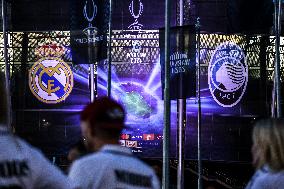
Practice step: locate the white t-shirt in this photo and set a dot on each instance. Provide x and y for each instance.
(264, 178)
(113, 167)
(23, 167)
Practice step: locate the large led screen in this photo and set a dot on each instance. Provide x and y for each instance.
(229, 63)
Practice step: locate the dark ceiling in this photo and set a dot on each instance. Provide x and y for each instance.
(224, 16)
(39, 15)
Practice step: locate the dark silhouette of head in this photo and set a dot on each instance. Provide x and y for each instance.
(102, 122)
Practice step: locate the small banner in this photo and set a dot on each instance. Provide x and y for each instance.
(89, 30)
(182, 61)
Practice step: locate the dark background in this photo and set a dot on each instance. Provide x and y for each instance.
(225, 16)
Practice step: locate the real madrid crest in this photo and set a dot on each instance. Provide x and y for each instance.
(228, 74)
(50, 78)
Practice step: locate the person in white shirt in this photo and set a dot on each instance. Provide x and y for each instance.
(268, 155)
(111, 166)
(22, 166)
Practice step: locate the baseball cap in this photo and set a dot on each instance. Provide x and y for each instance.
(104, 113)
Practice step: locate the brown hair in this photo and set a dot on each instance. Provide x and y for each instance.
(3, 100)
(268, 144)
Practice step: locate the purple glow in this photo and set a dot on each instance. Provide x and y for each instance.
(126, 89)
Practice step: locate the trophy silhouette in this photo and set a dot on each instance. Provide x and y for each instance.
(90, 31)
(135, 25)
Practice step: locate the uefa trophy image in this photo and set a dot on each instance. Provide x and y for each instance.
(90, 31)
(135, 25)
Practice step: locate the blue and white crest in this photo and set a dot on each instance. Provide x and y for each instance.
(228, 74)
(51, 80)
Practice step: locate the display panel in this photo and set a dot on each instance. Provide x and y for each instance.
(236, 79)
(137, 85)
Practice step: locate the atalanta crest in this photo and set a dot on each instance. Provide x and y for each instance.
(228, 74)
(51, 80)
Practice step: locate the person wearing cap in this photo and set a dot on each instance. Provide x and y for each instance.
(110, 165)
(21, 165)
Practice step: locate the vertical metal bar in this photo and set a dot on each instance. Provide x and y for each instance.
(263, 75)
(92, 83)
(91, 63)
(7, 70)
(277, 59)
(273, 104)
(109, 50)
(167, 102)
(181, 122)
(276, 106)
(199, 110)
(181, 12)
(95, 80)
(181, 118)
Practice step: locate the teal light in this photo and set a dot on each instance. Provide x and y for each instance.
(136, 104)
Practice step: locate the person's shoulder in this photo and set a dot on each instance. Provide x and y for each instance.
(270, 180)
(87, 165)
(30, 149)
(276, 178)
(87, 159)
(22, 145)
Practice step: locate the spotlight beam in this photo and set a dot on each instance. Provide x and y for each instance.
(156, 71)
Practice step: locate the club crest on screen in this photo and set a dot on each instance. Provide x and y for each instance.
(51, 80)
(228, 74)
